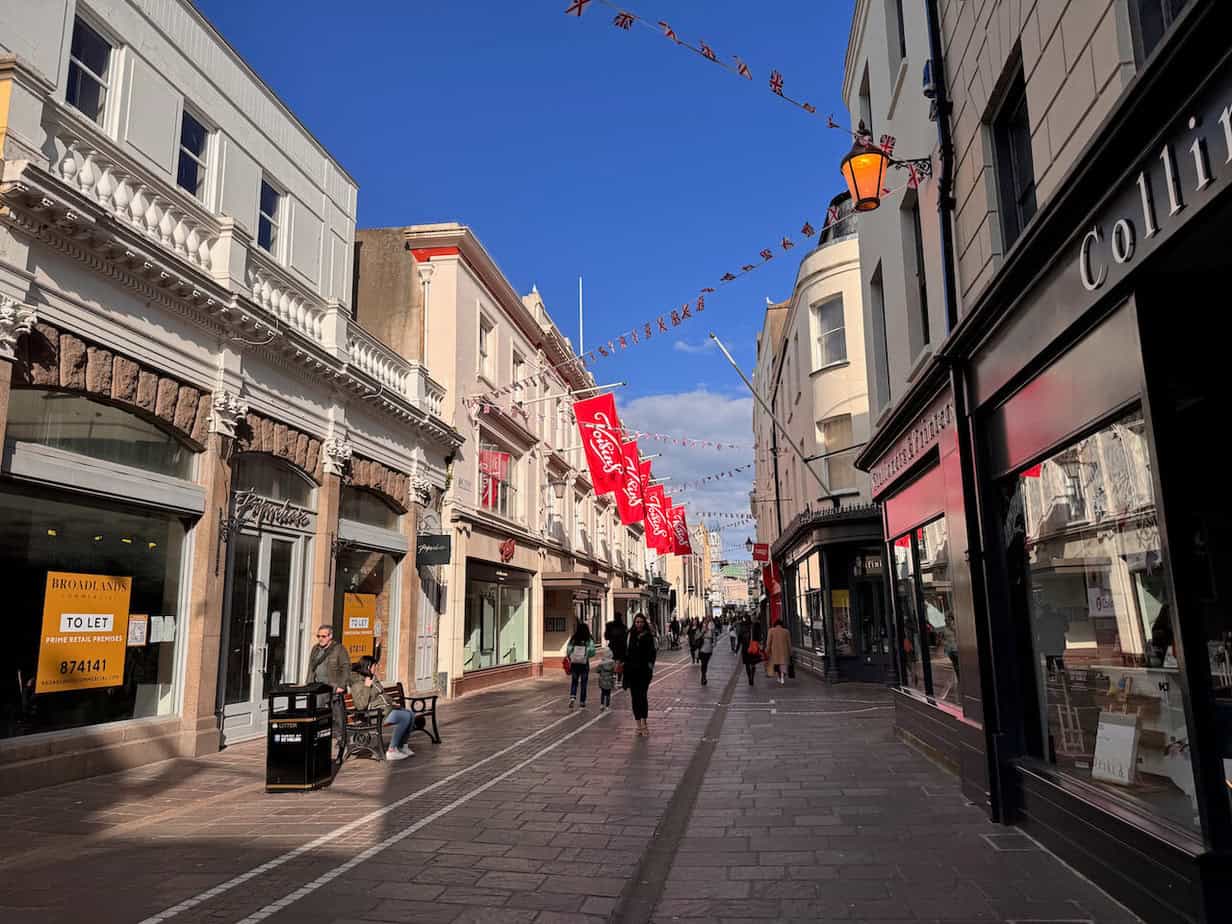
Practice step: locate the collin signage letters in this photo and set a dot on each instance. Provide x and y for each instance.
(433, 549)
(85, 632)
(600, 431)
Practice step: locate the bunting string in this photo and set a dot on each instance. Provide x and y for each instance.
(717, 476)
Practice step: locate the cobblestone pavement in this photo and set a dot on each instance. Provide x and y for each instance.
(746, 803)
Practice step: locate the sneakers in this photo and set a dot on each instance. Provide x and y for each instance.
(406, 750)
(583, 706)
(572, 702)
(393, 754)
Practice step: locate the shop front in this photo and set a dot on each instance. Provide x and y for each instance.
(835, 603)
(571, 597)
(1095, 659)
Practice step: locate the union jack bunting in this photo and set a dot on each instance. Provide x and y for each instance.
(766, 254)
(726, 277)
(914, 181)
(831, 214)
(708, 52)
(788, 243)
(807, 230)
(707, 289)
(623, 21)
(809, 107)
(748, 268)
(576, 7)
(743, 69)
(776, 80)
(887, 144)
(668, 31)
(701, 302)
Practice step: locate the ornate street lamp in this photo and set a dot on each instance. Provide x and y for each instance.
(748, 546)
(864, 168)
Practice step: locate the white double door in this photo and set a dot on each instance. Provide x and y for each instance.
(263, 627)
(431, 602)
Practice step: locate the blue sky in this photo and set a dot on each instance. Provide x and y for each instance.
(573, 147)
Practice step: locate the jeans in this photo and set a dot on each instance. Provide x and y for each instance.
(401, 720)
(637, 695)
(733, 644)
(750, 668)
(705, 656)
(605, 697)
(579, 674)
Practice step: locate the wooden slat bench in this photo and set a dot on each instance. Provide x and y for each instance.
(365, 733)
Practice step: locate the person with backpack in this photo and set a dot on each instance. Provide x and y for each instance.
(705, 648)
(579, 651)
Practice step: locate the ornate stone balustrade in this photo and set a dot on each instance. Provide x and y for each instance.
(403, 377)
(87, 160)
(274, 290)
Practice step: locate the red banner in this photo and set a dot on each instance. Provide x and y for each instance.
(761, 551)
(629, 495)
(494, 466)
(600, 431)
(658, 536)
(680, 531)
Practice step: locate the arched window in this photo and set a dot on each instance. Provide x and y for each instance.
(108, 432)
(273, 479)
(367, 507)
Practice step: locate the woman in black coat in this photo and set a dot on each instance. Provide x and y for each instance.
(639, 666)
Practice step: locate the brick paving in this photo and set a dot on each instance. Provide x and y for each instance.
(762, 803)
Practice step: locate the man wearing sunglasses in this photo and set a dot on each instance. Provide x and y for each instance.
(330, 664)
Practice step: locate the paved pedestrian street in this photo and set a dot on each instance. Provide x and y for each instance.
(792, 803)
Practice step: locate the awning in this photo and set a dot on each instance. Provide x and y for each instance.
(631, 593)
(574, 580)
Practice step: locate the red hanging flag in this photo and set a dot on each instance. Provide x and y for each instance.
(494, 470)
(658, 537)
(599, 428)
(629, 494)
(680, 531)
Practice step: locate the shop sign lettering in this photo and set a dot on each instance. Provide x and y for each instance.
(359, 625)
(252, 508)
(1176, 179)
(922, 437)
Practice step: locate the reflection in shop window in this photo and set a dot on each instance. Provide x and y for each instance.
(365, 602)
(363, 506)
(497, 628)
(932, 541)
(1081, 529)
(92, 428)
(498, 481)
(908, 614)
(122, 566)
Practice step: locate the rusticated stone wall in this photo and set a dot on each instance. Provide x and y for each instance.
(259, 433)
(51, 358)
(380, 478)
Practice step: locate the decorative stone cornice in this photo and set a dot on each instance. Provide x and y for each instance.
(15, 319)
(422, 488)
(425, 271)
(226, 413)
(336, 455)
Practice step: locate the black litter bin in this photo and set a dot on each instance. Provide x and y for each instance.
(299, 749)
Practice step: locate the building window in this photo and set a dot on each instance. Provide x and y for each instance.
(365, 604)
(579, 521)
(361, 506)
(831, 335)
(917, 280)
(834, 435)
(63, 555)
(269, 218)
(89, 69)
(866, 101)
(1151, 21)
(487, 359)
(924, 604)
(194, 141)
(497, 620)
(498, 480)
(519, 372)
(896, 16)
(881, 343)
(1011, 131)
(1095, 592)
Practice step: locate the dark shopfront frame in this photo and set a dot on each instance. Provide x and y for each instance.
(1040, 361)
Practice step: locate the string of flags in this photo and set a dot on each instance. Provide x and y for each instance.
(729, 517)
(625, 19)
(684, 441)
(718, 476)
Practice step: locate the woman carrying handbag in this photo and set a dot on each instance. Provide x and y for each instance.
(578, 652)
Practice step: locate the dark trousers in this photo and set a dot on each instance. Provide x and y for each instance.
(605, 697)
(705, 664)
(579, 674)
(749, 668)
(637, 695)
(734, 643)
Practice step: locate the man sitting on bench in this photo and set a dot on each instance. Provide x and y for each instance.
(368, 694)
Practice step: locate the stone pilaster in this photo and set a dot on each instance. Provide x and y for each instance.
(16, 320)
(408, 602)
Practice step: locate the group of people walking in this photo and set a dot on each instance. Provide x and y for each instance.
(629, 655)
(747, 638)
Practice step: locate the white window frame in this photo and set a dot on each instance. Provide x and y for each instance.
(485, 349)
(509, 494)
(106, 83)
(830, 452)
(819, 340)
(202, 194)
(277, 222)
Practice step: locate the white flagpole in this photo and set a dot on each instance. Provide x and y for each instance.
(581, 339)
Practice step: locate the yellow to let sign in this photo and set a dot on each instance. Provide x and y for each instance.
(85, 632)
(358, 624)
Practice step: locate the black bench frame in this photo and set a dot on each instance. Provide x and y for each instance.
(363, 732)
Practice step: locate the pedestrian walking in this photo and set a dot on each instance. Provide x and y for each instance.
(606, 675)
(615, 634)
(750, 649)
(673, 630)
(778, 651)
(733, 635)
(580, 650)
(639, 667)
(710, 633)
(367, 693)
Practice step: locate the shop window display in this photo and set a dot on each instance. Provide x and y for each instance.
(1082, 533)
(364, 602)
(93, 612)
(497, 626)
(908, 615)
(941, 634)
(808, 603)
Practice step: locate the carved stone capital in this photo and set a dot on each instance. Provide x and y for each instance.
(336, 455)
(227, 412)
(425, 271)
(422, 489)
(15, 319)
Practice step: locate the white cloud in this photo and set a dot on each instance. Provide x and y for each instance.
(700, 414)
(683, 346)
